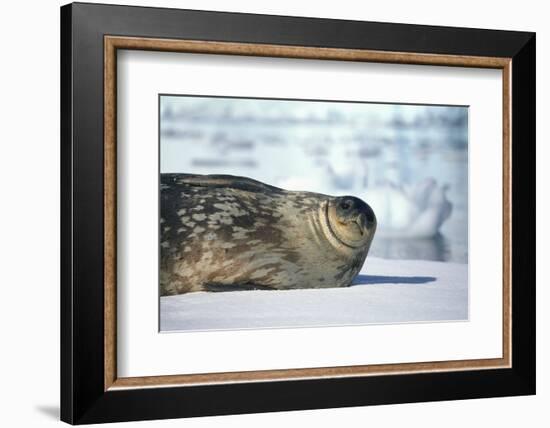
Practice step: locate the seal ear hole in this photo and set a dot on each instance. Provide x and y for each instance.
(345, 205)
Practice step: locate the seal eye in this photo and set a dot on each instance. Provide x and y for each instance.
(346, 205)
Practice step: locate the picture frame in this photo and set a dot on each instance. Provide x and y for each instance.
(91, 390)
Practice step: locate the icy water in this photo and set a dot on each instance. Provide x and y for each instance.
(365, 150)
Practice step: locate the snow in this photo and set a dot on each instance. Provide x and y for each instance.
(386, 291)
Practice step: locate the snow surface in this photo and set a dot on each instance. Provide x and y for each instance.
(386, 291)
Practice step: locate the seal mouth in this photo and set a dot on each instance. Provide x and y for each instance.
(361, 230)
(357, 224)
(362, 224)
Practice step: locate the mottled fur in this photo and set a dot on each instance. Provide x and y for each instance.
(225, 233)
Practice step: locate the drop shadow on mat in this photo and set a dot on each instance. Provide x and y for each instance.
(380, 279)
(50, 411)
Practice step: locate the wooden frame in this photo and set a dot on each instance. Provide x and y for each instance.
(86, 324)
(112, 43)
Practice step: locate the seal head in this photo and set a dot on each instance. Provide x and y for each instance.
(351, 220)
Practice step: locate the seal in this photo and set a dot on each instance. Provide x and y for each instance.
(223, 232)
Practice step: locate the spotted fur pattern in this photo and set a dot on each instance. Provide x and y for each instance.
(228, 233)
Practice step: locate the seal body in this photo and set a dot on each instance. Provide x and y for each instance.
(220, 232)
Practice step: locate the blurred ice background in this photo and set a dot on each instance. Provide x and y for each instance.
(409, 162)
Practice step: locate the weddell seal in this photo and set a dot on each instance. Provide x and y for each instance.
(223, 232)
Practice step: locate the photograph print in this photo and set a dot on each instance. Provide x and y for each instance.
(286, 213)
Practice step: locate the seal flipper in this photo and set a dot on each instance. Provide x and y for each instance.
(218, 180)
(217, 287)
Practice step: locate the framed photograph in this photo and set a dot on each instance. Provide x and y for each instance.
(265, 213)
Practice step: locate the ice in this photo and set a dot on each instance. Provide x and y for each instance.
(386, 291)
(410, 212)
